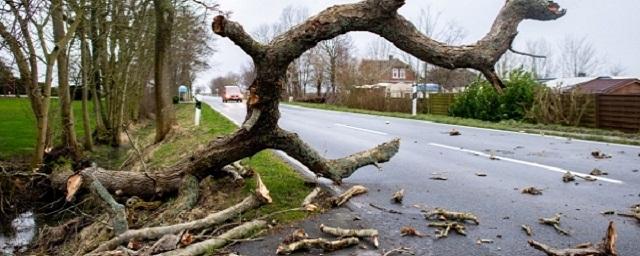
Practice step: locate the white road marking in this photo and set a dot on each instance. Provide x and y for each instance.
(546, 167)
(476, 128)
(210, 104)
(361, 129)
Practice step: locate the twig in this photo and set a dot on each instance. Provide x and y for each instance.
(527, 54)
(282, 211)
(144, 165)
(384, 209)
(401, 250)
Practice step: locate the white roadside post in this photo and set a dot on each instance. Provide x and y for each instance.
(198, 109)
(414, 99)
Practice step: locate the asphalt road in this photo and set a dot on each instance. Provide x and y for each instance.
(524, 160)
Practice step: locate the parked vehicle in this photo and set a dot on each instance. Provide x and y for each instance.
(231, 93)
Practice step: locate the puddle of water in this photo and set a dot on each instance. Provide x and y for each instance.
(24, 229)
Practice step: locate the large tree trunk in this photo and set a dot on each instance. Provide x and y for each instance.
(69, 139)
(165, 116)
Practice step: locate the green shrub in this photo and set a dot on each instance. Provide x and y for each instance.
(482, 101)
(176, 99)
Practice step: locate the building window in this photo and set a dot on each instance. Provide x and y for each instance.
(403, 74)
(395, 73)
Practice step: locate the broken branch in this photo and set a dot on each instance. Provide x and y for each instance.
(320, 243)
(443, 214)
(255, 200)
(353, 191)
(606, 248)
(238, 232)
(446, 226)
(555, 223)
(360, 233)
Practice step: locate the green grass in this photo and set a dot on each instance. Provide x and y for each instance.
(18, 125)
(17, 137)
(286, 186)
(610, 136)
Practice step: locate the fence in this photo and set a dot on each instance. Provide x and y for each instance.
(619, 112)
(376, 100)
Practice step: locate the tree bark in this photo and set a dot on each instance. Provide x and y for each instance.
(69, 138)
(165, 116)
(86, 73)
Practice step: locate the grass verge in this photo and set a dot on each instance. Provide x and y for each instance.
(18, 125)
(583, 133)
(287, 187)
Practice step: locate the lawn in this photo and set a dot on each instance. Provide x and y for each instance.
(18, 125)
(517, 126)
(17, 137)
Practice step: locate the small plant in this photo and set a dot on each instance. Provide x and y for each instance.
(176, 99)
(482, 101)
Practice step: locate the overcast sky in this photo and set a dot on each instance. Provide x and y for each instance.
(613, 27)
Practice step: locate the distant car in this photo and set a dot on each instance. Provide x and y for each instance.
(231, 93)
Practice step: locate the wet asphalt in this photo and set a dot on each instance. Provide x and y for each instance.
(520, 160)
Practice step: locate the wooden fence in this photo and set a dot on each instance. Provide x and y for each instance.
(375, 99)
(619, 112)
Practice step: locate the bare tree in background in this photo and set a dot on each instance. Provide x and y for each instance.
(247, 74)
(578, 57)
(379, 49)
(617, 69)
(334, 53)
(540, 67)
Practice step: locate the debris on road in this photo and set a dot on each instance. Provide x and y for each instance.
(555, 223)
(532, 191)
(444, 215)
(410, 231)
(319, 243)
(609, 212)
(359, 233)
(588, 178)
(398, 196)
(484, 241)
(445, 226)
(527, 230)
(481, 174)
(599, 155)
(385, 209)
(308, 204)
(297, 235)
(606, 248)
(438, 178)
(568, 177)
(635, 212)
(401, 250)
(598, 172)
(353, 191)
(454, 132)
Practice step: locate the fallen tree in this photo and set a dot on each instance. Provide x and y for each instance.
(260, 129)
